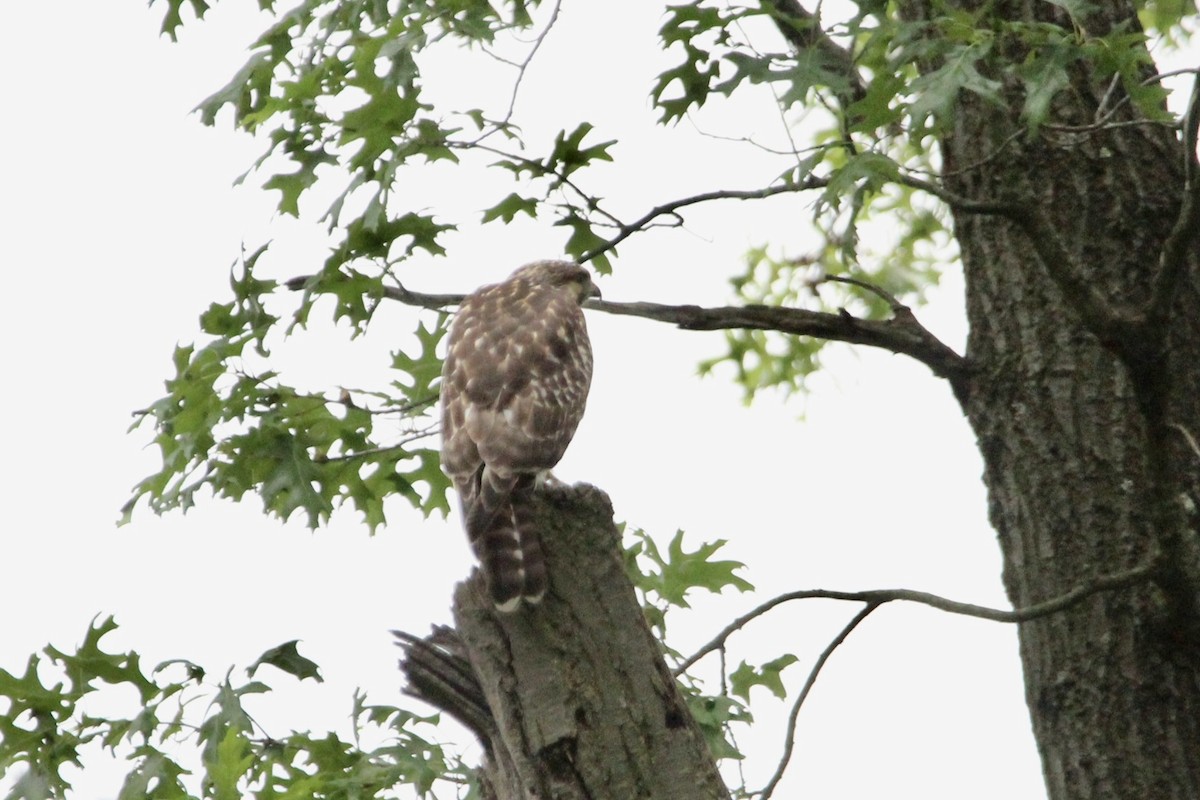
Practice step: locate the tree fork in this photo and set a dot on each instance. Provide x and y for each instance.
(1081, 475)
(577, 701)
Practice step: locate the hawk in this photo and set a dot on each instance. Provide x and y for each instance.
(514, 385)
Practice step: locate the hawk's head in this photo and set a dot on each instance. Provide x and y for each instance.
(559, 274)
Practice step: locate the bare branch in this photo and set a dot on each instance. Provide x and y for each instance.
(672, 208)
(523, 66)
(435, 302)
(887, 297)
(789, 742)
(1108, 126)
(963, 204)
(1103, 583)
(902, 334)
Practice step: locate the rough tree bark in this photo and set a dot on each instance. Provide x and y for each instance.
(1084, 349)
(571, 699)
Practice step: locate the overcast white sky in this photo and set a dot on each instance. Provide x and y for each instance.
(119, 224)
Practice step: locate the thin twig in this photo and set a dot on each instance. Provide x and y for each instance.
(974, 165)
(538, 168)
(1103, 583)
(780, 108)
(963, 204)
(888, 298)
(1187, 435)
(399, 447)
(1128, 97)
(522, 67)
(789, 742)
(1107, 126)
(1098, 117)
(671, 208)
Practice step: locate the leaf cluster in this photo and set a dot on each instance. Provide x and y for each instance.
(664, 579)
(663, 582)
(915, 254)
(47, 724)
(337, 91)
(875, 89)
(343, 94)
(227, 429)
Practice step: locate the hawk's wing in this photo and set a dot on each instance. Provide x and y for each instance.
(514, 388)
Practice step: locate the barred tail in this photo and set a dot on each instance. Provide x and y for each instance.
(489, 496)
(510, 553)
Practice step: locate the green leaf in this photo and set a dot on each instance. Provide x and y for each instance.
(679, 571)
(375, 123)
(697, 570)
(685, 22)
(32, 695)
(509, 207)
(698, 29)
(569, 154)
(42, 729)
(232, 762)
(1164, 16)
(691, 83)
(877, 109)
(869, 171)
(156, 777)
(291, 186)
(293, 478)
(246, 91)
(742, 679)
(714, 714)
(376, 239)
(422, 372)
(1044, 75)
(174, 18)
(90, 662)
(428, 472)
(1124, 53)
(227, 717)
(936, 91)
(808, 70)
(287, 658)
(584, 242)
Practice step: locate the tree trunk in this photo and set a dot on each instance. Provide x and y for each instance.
(1082, 399)
(571, 698)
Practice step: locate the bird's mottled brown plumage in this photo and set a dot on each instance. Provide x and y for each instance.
(514, 386)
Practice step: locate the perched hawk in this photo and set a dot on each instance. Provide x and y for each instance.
(514, 386)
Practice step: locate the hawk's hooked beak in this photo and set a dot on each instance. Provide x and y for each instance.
(588, 290)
